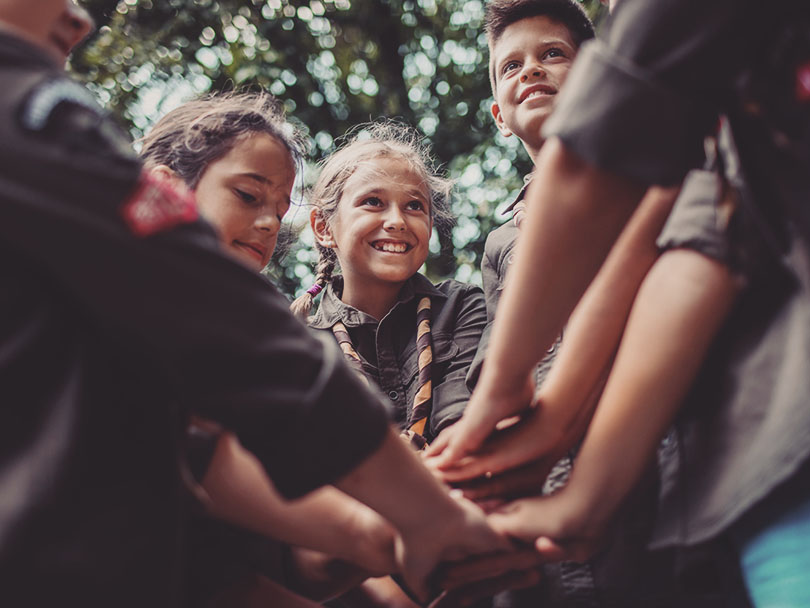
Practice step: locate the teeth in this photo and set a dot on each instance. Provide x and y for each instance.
(391, 247)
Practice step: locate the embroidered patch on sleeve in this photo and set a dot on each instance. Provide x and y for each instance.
(157, 205)
(42, 102)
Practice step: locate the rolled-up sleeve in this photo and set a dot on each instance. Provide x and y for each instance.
(640, 102)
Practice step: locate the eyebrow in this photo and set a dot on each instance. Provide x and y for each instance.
(542, 43)
(413, 193)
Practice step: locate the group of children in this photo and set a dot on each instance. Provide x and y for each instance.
(422, 348)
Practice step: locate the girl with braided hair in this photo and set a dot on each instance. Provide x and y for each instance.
(374, 206)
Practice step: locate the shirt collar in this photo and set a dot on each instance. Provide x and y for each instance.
(332, 309)
(527, 179)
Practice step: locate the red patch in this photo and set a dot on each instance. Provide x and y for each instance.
(803, 82)
(157, 205)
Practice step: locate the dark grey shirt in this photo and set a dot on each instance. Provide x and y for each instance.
(109, 337)
(639, 103)
(745, 424)
(388, 352)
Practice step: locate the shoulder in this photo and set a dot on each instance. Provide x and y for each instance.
(453, 288)
(463, 298)
(46, 113)
(501, 239)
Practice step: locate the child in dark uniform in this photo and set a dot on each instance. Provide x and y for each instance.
(126, 331)
(238, 154)
(374, 206)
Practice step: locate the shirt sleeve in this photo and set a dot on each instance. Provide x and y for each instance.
(640, 102)
(223, 335)
(450, 396)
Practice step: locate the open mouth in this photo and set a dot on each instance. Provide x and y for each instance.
(391, 246)
(536, 92)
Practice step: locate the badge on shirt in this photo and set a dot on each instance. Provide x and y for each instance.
(157, 205)
(43, 101)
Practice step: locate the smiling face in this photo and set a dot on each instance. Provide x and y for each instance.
(245, 194)
(530, 60)
(381, 228)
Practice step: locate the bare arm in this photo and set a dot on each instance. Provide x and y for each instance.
(325, 520)
(574, 214)
(679, 309)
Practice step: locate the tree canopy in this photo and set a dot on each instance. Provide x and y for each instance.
(335, 64)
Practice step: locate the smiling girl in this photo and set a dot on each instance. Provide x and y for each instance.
(374, 208)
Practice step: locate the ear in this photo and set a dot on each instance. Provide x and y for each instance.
(320, 227)
(162, 172)
(499, 122)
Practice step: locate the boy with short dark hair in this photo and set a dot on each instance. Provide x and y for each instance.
(532, 45)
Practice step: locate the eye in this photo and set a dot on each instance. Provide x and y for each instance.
(415, 205)
(509, 65)
(554, 52)
(371, 201)
(245, 196)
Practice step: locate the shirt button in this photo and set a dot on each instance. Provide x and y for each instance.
(393, 395)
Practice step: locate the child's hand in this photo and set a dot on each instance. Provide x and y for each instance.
(533, 444)
(563, 527)
(373, 542)
(447, 538)
(466, 582)
(489, 406)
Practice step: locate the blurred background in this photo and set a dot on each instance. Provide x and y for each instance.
(334, 64)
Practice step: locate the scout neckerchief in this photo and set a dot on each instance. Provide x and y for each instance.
(422, 402)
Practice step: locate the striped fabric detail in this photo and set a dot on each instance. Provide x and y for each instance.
(345, 342)
(424, 394)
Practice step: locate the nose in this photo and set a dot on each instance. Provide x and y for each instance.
(531, 71)
(74, 24)
(266, 221)
(394, 220)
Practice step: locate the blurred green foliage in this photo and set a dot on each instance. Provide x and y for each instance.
(335, 63)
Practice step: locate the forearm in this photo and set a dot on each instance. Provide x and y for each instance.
(679, 309)
(325, 520)
(575, 213)
(394, 483)
(596, 325)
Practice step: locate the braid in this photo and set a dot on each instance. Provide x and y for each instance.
(302, 305)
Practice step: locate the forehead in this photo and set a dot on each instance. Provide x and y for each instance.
(530, 32)
(389, 173)
(257, 153)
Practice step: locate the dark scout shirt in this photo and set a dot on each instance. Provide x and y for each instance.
(639, 104)
(388, 347)
(116, 305)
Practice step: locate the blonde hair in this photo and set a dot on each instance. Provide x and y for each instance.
(365, 144)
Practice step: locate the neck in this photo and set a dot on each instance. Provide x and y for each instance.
(534, 151)
(375, 300)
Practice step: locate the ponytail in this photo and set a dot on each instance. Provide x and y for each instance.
(302, 305)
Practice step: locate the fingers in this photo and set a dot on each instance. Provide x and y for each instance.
(515, 446)
(468, 434)
(470, 594)
(526, 519)
(489, 566)
(526, 480)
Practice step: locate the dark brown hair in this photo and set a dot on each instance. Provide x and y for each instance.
(192, 136)
(500, 14)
